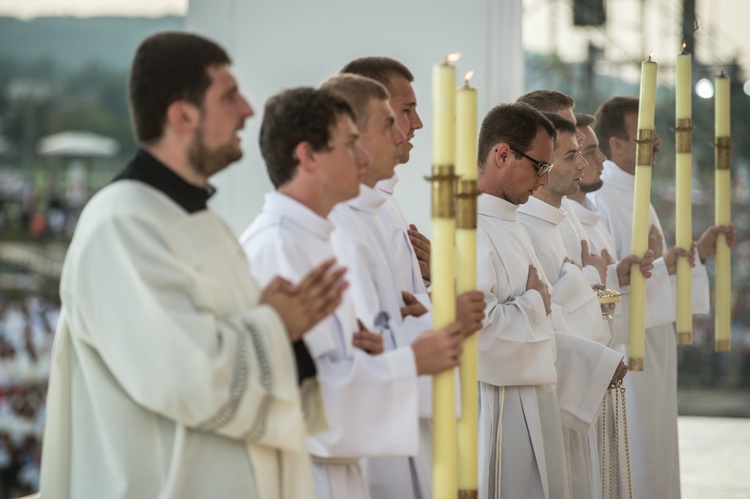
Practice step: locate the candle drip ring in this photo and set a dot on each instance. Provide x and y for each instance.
(466, 204)
(644, 153)
(468, 494)
(635, 364)
(721, 152)
(683, 135)
(443, 181)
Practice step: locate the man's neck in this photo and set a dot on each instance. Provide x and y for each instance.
(578, 197)
(320, 205)
(549, 197)
(176, 160)
(622, 165)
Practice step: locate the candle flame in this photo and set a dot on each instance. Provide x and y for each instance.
(649, 55)
(684, 46)
(468, 76)
(453, 57)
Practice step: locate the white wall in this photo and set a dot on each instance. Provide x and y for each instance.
(283, 44)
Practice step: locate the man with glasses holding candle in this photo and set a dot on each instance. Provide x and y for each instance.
(652, 393)
(522, 451)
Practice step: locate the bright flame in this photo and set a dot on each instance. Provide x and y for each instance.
(468, 76)
(684, 46)
(453, 57)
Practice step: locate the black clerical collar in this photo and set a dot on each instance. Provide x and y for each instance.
(146, 168)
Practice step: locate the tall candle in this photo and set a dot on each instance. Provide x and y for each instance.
(723, 217)
(444, 112)
(466, 131)
(641, 202)
(442, 273)
(683, 202)
(466, 278)
(683, 86)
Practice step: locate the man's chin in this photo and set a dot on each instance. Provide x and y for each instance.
(404, 152)
(592, 187)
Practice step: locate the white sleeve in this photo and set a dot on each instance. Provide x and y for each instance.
(228, 374)
(584, 370)
(516, 344)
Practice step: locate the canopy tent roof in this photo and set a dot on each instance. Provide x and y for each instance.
(77, 143)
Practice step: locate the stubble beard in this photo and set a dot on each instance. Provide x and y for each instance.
(592, 187)
(206, 161)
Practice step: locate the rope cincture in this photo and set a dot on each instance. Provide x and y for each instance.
(614, 397)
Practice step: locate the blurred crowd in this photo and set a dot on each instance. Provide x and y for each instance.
(27, 326)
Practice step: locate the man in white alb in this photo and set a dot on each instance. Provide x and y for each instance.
(523, 362)
(362, 244)
(410, 247)
(652, 393)
(314, 157)
(172, 372)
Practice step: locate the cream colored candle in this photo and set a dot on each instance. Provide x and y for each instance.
(722, 106)
(466, 278)
(683, 188)
(641, 202)
(444, 112)
(723, 217)
(683, 86)
(442, 274)
(466, 131)
(648, 95)
(445, 452)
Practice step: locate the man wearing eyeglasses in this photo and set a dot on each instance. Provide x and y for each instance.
(522, 450)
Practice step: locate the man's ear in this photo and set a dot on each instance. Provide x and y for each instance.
(615, 144)
(502, 154)
(305, 156)
(183, 116)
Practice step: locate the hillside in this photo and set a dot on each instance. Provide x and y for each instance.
(74, 42)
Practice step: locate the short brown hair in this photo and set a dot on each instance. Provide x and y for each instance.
(562, 125)
(168, 67)
(297, 115)
(547, 101)
(378, 68)
(610, 120)
(514, 124)
(583, 119)
(357, 91)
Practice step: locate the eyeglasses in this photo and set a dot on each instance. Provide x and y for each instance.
(541, 168)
